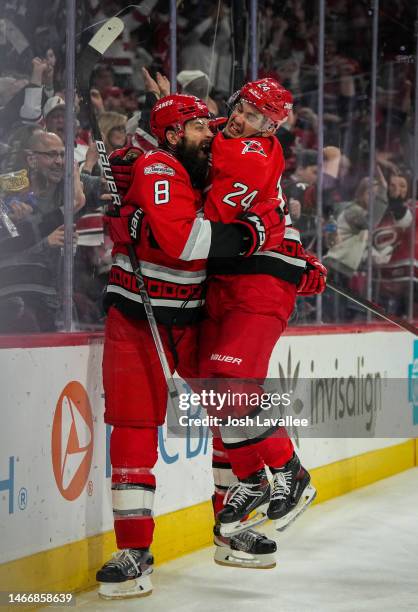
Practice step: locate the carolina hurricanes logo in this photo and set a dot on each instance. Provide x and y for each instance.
(252, 146)
(385, 236)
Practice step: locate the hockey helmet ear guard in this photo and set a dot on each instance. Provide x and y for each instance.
(173, 112)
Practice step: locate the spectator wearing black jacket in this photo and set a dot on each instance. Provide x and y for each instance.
(30, 272)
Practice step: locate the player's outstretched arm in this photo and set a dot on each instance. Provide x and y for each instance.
(162, 192)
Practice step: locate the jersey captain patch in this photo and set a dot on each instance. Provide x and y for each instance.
(252, 146)
(159, 168)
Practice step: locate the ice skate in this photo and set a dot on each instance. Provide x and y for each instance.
(252, 493)
(248, 549)
(127, 574)
(291, 493)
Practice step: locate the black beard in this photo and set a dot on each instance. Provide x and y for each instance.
(397, 201)
(197, 168)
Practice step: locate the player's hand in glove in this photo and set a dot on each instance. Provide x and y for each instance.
(265, 226)
(122, 163)
(314, 279)
(124, 226)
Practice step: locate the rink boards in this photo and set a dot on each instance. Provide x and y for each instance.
(55, 510)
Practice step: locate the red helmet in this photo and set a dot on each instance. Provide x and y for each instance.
(173, 112)
(269, 97)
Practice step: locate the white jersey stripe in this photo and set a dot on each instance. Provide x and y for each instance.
(295, 261)
(181, 277)
(199, 241)
(292, 234)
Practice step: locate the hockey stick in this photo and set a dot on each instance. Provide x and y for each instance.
(89, 57)
(374, 308)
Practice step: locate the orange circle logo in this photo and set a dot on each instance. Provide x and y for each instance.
(72, 440)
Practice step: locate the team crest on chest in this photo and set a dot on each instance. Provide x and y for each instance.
(252, 146)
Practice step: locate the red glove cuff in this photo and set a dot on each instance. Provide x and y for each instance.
(313, 281)
(119, 226)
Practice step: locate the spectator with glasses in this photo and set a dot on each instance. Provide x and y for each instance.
(45, 159)
(30, 281)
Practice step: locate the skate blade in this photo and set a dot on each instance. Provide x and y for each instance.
(232, 558)
(305, 501)
(139, 587)
(260, 517)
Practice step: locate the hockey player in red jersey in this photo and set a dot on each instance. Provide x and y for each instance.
(172, 243)
(248, 304)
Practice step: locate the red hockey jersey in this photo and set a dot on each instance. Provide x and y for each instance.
(392, 252)
(246, 171)
(174, 243)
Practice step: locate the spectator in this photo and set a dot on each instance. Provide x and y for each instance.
(392, 248)
(130, 102)
(32, 72)
(196, 83)
(348, 255)
(18, 144)
(301, 191)
(103, 77)
(30, 281)
(113, 128)
(299, 132)
(113, 99)
(54, 116)
(205, 52)
(398, 198)
(304, 176)
(22, 99)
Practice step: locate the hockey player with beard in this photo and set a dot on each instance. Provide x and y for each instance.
(172, 243)
(248, 304)
(287, 269)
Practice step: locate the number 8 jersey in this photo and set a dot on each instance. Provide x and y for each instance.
(174, 242)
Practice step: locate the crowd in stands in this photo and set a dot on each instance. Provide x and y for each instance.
(124, 85)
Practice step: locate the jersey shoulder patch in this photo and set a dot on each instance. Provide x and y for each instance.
(161, 162)
(159, 168)
(132, 154)
(252, 146)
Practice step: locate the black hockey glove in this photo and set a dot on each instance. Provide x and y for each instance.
(265, 226)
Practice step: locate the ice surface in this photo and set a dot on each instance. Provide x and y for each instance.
(356, 553)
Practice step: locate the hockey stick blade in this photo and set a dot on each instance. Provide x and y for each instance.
(95, 49)
(374, 308)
